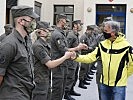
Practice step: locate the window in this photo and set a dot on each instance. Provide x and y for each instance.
(116, 11)
(65, 9)
(38, 9)
(9, 4)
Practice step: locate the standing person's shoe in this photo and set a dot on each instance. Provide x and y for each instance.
(82, 85)
(87, 79)
(91, 71)
(85, 82)
(67, 96)
(93, 68)
(72, 92)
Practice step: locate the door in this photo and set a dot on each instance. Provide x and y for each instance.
(116, 11)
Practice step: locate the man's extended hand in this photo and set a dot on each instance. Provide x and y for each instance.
(68, 54)
(82, 46)
(73, 55)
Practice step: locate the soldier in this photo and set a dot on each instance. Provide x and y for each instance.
(88, 39)
(73, 67)
(58, 47)
(8, 29)
(16, 64)
(43, 61)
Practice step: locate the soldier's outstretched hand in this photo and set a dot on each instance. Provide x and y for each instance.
(68, 54)
(82, 46)
(73, 55)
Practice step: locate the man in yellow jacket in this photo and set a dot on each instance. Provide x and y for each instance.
(117, 59)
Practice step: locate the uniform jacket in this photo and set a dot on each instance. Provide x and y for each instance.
(73, 41)
(16, 66)
(58, 43)
(41, 51)
(116, 60)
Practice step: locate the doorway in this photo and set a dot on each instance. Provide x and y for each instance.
(116, 11)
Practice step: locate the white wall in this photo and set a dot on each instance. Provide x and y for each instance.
(2, 15)
(129, 22)
(90, 17)
(26, 2)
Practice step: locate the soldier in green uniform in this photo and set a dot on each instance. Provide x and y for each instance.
(8, 29)
(43, 62)
(58, 47)
(73, 67)
(16, 60)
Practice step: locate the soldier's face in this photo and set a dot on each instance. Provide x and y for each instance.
(79, 27)
(63, 22)
(29, 24)
(89, 32)
(45, 33)
(8, 30)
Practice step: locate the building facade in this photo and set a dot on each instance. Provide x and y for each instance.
(89, 11)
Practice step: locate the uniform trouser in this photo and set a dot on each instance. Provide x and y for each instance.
(83, 70)
(58, 82)
(70, 79)
(41, 91)
(76, 75)
(90, 67)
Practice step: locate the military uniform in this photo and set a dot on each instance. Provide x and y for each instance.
(73, 41)
(16, 65)
(41, 49)
(42, 55)
(2, 37)
(58, 49)
(90, 40)
(8, 30)
(16, 61)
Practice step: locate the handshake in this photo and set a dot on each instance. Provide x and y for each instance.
(71, 54)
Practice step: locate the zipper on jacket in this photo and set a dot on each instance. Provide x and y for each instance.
(109, 65)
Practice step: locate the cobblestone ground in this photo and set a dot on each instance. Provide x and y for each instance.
(91, 92)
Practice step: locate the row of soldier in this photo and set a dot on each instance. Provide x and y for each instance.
(51, 57)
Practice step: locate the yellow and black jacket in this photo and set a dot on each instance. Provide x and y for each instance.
(116, 59)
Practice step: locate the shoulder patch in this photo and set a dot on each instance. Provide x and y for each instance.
(42, 54)
(2, 58)
(58, 41)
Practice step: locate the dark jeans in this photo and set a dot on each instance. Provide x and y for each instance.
(112, 92)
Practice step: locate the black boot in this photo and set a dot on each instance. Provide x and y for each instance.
(91, 71)
(93, 68)
(67, 96)
(86, 83)
(72, 92)
(87, 79)
(82, 85)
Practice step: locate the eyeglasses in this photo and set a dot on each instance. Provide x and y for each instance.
(29, 21)
(26, 20)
